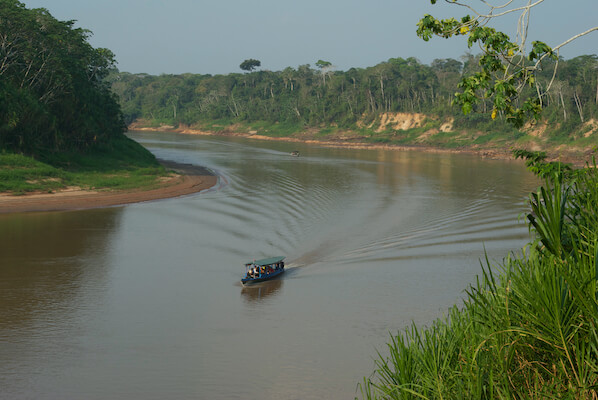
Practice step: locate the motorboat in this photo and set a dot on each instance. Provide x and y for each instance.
(263, 270)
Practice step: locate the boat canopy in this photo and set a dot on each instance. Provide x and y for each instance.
(267, 261)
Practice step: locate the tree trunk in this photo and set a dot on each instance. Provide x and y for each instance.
(579, 105)
(350, 106)
(236, 110)
(563, 104)
(372, 102)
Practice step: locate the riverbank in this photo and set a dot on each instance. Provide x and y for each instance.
(568, 154)
(186, 179)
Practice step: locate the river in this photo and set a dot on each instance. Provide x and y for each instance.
(144, 302)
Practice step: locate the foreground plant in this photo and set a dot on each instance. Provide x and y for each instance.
(528, 332)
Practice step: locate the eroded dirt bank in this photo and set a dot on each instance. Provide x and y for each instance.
(568, 154)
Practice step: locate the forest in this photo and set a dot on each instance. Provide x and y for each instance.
(322, 98)
(60, 123)
(58, 93)
(53, 91)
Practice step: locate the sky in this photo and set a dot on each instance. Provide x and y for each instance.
(215, 36)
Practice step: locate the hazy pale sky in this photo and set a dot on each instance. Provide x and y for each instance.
(215, 36)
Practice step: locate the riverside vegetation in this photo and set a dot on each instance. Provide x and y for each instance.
(400, 101)
(528, 328)
(60, 123)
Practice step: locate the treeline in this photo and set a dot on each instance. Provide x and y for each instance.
(307, 96)
(53, 92)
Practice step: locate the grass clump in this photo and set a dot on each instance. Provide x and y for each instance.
(20, 174)
(282, 129)
(528, 328)
(119, 164)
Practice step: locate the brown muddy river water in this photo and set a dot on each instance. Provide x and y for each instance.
(143, 301)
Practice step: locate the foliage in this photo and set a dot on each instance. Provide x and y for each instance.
(323, 64)
(53, 92)
(505, 69)
(529, 332)
(250, 64)
(536, 163)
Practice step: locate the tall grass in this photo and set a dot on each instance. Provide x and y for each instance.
(528, 327)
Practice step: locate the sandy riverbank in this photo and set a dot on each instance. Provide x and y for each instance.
(574, 156)
(188, 179)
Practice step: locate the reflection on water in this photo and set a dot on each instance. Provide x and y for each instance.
(53, 271)
(144, 301)
(49, 260)
(260, 291)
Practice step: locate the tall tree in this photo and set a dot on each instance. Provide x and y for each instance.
(250, 64)
(326, 69)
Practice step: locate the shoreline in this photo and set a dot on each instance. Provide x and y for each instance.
(189, 179)
(576, 157)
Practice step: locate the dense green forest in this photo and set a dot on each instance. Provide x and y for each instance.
(57, 106)
(301, 98)
(52, 84)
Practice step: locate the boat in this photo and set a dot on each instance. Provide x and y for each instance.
(263, 270)
(295, 153)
